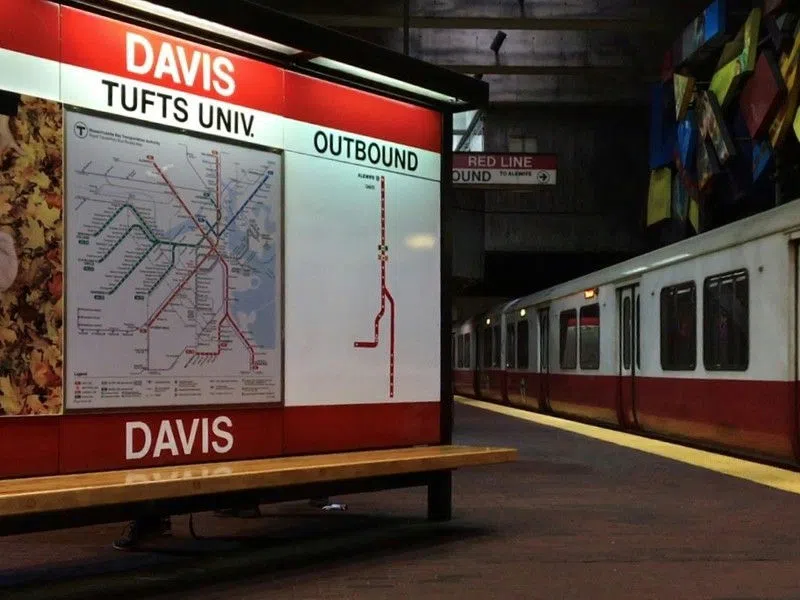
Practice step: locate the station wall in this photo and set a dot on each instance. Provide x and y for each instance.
(594, 209)
(596, 205)
(467, 224)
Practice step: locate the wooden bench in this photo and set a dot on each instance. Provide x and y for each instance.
(43, 503)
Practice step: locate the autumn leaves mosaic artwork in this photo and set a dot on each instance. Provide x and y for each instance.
(31, 266)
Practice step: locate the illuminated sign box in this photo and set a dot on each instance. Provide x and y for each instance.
(212, 244)
(476, 169)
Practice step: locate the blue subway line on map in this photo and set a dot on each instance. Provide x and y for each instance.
(244, 205)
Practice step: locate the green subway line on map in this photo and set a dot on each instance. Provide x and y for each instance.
(132, 269)
(148, 233)
(122, 239)
(166, 272)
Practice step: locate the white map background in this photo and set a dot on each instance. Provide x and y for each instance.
(173, 268)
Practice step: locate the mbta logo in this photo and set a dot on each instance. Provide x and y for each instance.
(81, 129)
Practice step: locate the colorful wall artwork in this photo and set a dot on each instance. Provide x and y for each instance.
(726, 111)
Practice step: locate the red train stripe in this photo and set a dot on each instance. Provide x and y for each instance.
(585, 396)
(753, 417)
(585, 321)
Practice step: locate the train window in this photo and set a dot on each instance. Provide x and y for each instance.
(726, 322)
(679, 327)
(496, 347)
(511, 345)
(569, 339)
(544, 342)
(626, 332)
(522, 344)
(590, 336)
(467, 350)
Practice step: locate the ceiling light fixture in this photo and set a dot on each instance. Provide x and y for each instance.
(187, 19)
(381, 79)
(497, 43)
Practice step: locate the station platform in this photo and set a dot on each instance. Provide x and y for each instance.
(574, 517)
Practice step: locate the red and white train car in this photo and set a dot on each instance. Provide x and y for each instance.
(696, 342)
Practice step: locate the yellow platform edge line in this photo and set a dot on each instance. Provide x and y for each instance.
(774, 477)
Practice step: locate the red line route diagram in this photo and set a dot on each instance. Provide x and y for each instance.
(226, 281)
(385, 294)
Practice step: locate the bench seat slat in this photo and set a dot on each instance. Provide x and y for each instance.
(66, 492)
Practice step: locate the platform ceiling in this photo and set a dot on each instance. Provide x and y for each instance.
(576, 51)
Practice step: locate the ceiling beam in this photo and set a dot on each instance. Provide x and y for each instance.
(557, 101)
(551, 70)
(621, 24)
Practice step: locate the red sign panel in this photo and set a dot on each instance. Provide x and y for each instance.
(30, 27)
(517, 169)
(339, 107)
(133, 52)
(114, 441)
(102, 45)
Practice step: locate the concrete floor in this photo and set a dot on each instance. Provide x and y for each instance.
(573, 518)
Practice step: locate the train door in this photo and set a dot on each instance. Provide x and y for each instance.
(544, 359)
(484, 344)
(471, 344)
(629, 353)
(454, 356)
(796, 327)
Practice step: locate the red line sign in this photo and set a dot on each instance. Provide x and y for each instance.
(485, 169)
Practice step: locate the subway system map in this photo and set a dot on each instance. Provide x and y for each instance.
(173, 253)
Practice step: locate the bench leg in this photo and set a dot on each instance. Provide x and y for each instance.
(440, 497)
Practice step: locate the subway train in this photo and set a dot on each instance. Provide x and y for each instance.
(696, 342)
